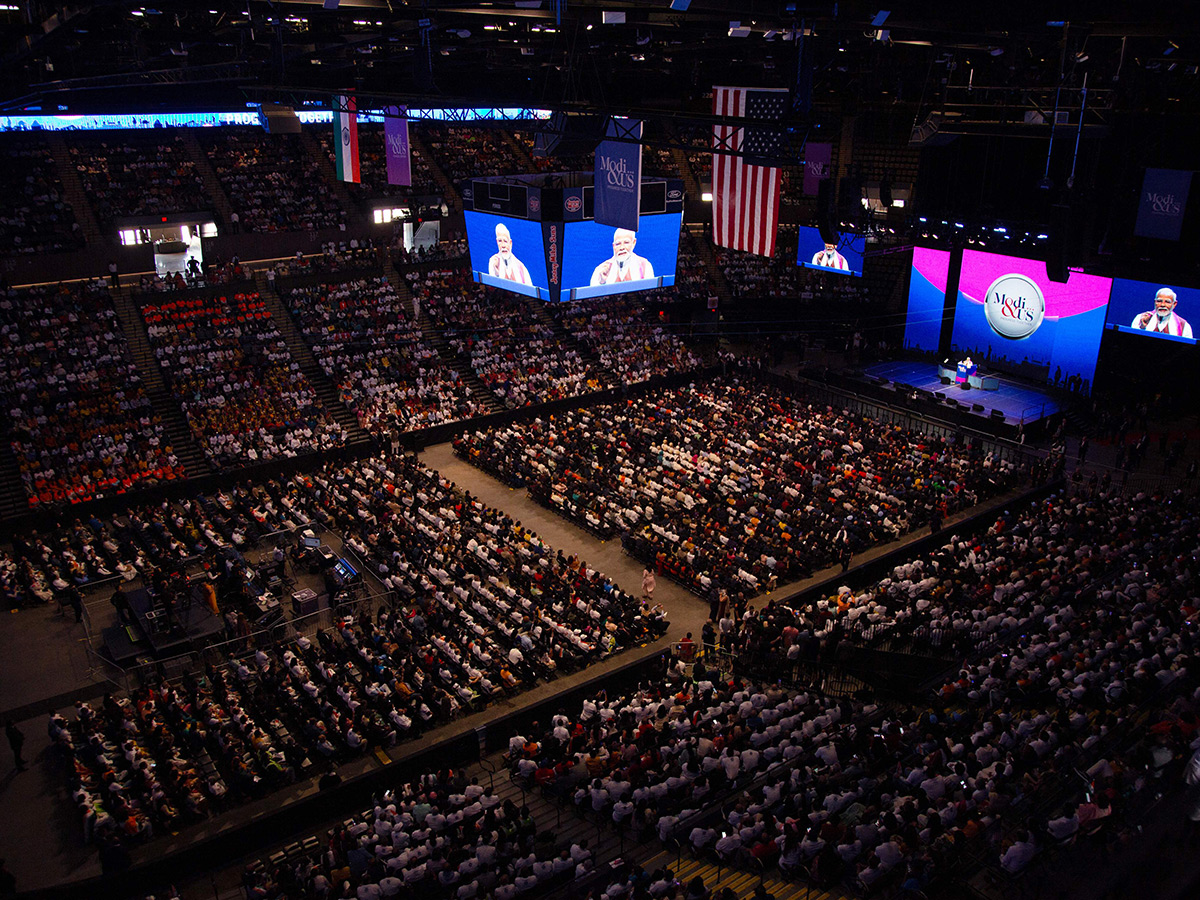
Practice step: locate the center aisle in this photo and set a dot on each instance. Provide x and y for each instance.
(685, 611)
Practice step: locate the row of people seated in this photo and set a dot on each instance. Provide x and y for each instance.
(271, 182)
(243, 394)
(36, 218)
(463, 152)
(631, 344)
(1037, 743)
(81, 424)
(195, 275)
(439, 834)
(738, 486)
(447, 249)
(514, 354)
(968, 591)
(335, 256)
(138, 173)
(366, 340)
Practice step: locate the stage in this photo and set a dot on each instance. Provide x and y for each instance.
(1012, 403)
(157, 636)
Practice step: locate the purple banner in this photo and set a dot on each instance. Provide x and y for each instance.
(395, 140)
(817, 160)
(619, 175)
(1163, 200)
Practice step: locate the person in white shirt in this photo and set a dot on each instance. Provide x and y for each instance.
(503, 264)
(624, 264)
(829, 258)
(1162, 318)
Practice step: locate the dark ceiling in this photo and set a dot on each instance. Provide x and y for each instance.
(206, 54)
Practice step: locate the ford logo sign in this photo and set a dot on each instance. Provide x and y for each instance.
(674, 195)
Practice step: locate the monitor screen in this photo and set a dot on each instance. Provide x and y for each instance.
(926, 299)
(1011, 316)
(843, 256)
(599, 260)
(1153, 309)
(507, 253)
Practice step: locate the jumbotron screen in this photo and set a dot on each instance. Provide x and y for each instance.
(926, 299)
(1153, 309)
(843, 256)
(507, 253)
(1011, 316)
(599, 260)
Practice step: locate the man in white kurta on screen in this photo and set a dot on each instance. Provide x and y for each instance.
(1163, 318)
(503, 264)
(624, 264)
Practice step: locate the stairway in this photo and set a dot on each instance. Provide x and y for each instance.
(595, 369)
(449, 191)
(326, 391)
(312, 147)
(129, 316)
(14, 501)
(212, 183)
(73, 191)
(704, 250)
(519, 148)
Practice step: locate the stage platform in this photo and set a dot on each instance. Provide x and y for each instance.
(1013, 402)
(193, 626)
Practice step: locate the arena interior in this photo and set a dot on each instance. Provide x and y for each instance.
(659, 450)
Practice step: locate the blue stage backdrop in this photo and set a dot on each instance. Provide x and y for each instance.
(1011, 316)
(926, 299)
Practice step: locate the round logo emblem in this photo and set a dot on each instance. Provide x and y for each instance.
(574, 204)
(1014, 306)
(534, 204)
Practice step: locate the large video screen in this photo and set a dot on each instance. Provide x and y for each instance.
(599, 260)
(507, 253)
(926, 299)
(844, 256)
(1011, 316)
(1154, 309)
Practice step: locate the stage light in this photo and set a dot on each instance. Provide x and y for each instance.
(922, 219)
(1000, 230)
(706, 196)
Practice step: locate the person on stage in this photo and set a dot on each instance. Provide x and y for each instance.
(503, 264)
(624, 264)
(1162, 318)
(829, 258)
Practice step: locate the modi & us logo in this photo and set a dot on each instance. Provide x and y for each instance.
(1014, 306)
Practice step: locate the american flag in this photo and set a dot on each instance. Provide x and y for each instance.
(746, 196)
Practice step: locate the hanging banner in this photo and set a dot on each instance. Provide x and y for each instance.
(817, 159)
(395, 139)
(618, 196)
(1163, 200)
(346, 139)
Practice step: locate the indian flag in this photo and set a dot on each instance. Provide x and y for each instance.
(347, 140)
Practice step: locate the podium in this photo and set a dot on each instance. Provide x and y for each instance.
(964, 373)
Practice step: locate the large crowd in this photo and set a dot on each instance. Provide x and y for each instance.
(81, 425)
(138, 174)
(366, 340)
(463, 153)
(733, 485)
(244, 396)
(630, 344)
(36, 218)
(271, 182)
(514, 354)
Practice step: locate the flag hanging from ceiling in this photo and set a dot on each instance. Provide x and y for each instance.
(395, 140)
(346, 139)
(745, 195)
